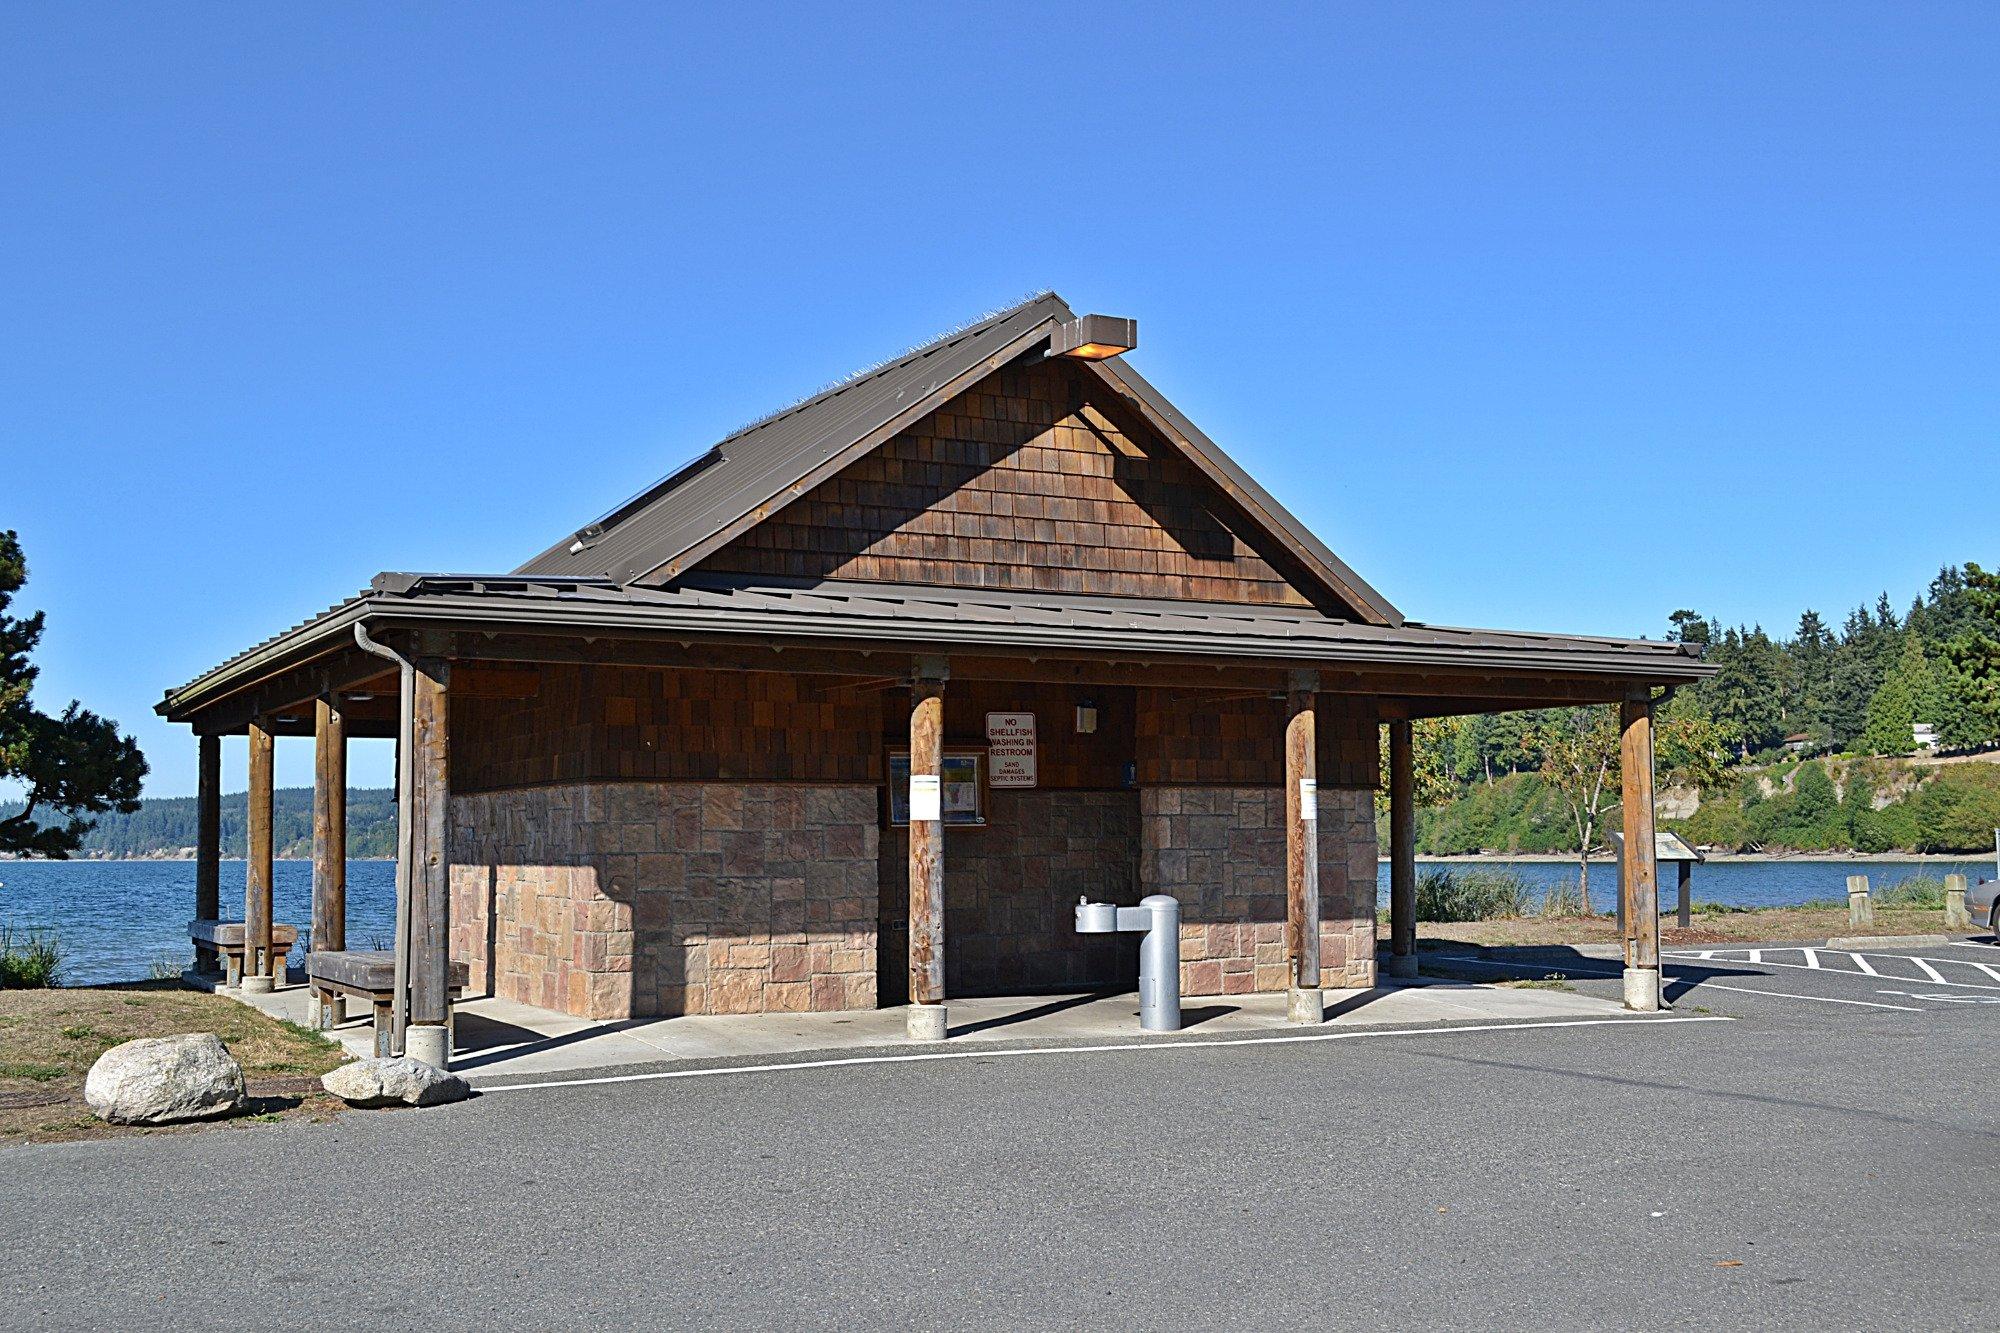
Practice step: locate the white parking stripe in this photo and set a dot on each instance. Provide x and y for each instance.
(1932, 975)
(1567, 968)
(1000, 1052)
(1812, 959)
(1971, 944)
(1989, 970)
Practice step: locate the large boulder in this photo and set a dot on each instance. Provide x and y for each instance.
(391, 1082)
(156, 1080)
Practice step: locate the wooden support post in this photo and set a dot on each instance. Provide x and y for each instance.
(329, 890)
(1684, 894)
(1305, 1003)
(261, 972)
(1638, 871)
(208, 845)
(1402, 850)
(430, 865)
(926, 1014)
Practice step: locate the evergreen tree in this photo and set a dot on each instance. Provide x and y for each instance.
(1907, 696)
(73, 766)
(1971, 693)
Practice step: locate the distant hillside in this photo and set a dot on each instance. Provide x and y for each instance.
(165, 826)
(1815, 805)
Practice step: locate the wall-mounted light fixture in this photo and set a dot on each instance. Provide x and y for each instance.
(1086, 718)
(1095, 337)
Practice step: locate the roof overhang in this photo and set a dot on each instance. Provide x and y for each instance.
(875, 619)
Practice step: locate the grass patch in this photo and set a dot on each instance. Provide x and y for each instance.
(29, 959)
(50, 1038)
(1916, 891)
(32, 1072)
(1472, 895)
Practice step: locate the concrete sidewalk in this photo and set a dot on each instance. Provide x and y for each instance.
(504, 1039)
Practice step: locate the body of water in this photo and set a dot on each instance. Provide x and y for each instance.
(1783, 883)
(117, 919)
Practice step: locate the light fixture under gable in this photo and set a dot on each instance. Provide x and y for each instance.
(1094, 337)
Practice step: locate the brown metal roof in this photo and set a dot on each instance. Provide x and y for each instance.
(664, 531)
(916, 617)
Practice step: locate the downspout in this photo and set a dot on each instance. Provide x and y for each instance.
(405, 764)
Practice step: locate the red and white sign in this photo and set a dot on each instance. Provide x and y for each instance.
(1010, 749)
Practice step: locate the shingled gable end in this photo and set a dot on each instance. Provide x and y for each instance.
(667, 765)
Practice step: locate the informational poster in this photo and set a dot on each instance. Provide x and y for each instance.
(1308, 798)
(1010, 749)
(926, 798)
(955, 797)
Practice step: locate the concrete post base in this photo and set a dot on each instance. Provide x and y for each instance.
(258, 985)
(1402, 965)
(428, 1042)
(1305, 1006)
(924, 1022)
(1642, 989)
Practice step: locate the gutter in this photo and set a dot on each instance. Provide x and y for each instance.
(405, 771)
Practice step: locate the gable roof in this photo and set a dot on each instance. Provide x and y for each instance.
(662, 532)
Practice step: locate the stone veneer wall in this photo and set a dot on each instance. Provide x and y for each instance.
(1221, 851)
(1010, 891)
(615, 900)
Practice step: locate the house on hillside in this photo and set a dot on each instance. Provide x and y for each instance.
(849, 711)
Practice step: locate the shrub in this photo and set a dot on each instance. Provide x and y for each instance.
(1563, 899)
(29, 961)
(1916, 891)
(1958, 809)
(1474, 895)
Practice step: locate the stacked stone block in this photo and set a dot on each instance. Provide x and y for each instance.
(1221, 851)
(614, 900)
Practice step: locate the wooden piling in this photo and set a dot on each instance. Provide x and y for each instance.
(1302, 831)
(1402, 849)
(927, 836)
(430, 866)
(208, 844)
(329, 890)
(257, 960)
(1638, 878)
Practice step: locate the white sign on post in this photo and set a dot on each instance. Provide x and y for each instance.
(1308, 798)
(926, 798)
(1010, 749)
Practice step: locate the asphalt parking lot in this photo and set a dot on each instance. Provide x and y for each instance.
(1795, 1145)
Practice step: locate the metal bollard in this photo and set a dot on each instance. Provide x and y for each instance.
(1159, 915)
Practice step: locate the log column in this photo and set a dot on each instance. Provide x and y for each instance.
(925, 1018)
(1638, 871)
(1402, 850)
(428, 1037)
(261, 972)
(208, 845)
(1305, 1003)
(329, 891)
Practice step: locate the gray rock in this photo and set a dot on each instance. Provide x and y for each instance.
(387, 1082)
(159, 1079)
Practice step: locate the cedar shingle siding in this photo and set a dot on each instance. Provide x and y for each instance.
(1029, 481)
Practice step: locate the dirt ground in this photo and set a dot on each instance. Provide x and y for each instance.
(50, 1038)
(1776, 923)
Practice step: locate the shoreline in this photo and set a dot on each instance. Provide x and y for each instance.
(1708, 858)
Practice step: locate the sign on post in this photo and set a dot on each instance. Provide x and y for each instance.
(1010, 749)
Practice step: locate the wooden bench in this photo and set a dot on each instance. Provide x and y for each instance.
(224, 939)
(367, 974)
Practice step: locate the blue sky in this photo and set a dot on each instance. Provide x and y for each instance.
(293, 295)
